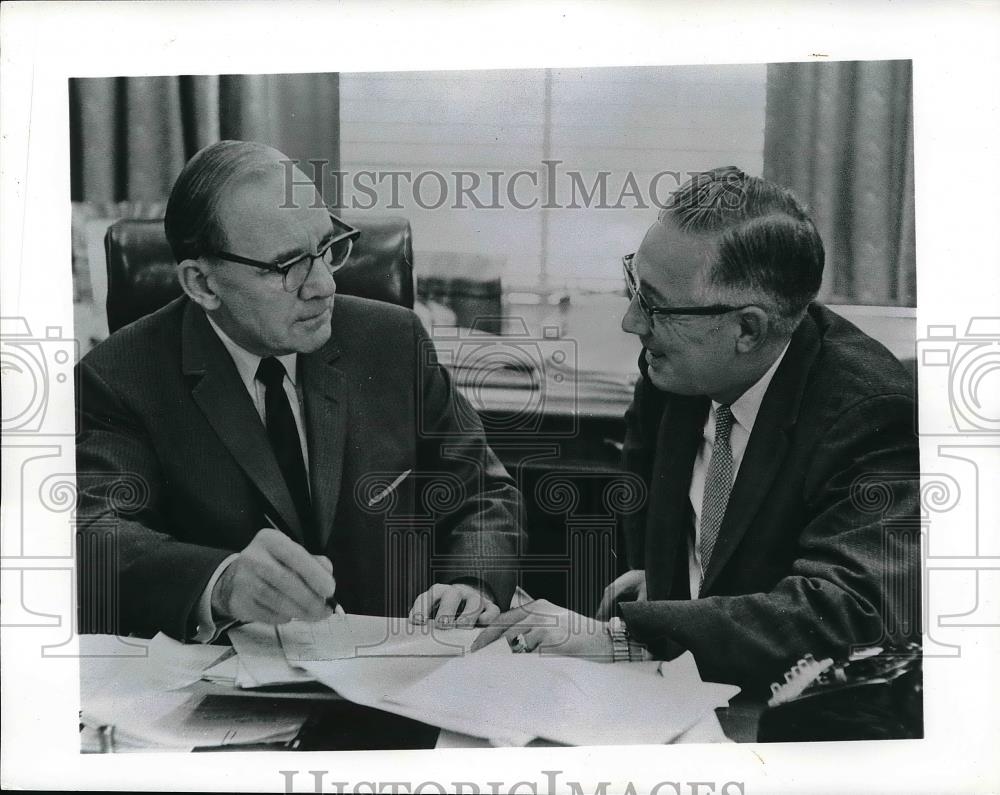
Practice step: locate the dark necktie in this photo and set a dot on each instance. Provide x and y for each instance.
(718, 484)
(284, 437)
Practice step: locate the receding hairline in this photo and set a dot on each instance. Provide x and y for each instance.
(266, 176)
(708, 242)
(712, 239)
(206, 179)
(764, 242)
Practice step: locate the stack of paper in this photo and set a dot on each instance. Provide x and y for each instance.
(223, 672)
(430, 675)
(173, 665)
(261, 661)
(569, 701)
(370, 659)
(142, 698)
(418, 671)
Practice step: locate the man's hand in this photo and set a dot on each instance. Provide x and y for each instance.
(274, 580)
(457, 605)
(631, 586)
(541, 625)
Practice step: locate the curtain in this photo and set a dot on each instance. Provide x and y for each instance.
(130, 136)
(840, 135)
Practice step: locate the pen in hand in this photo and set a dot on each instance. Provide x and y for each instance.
(331, 601)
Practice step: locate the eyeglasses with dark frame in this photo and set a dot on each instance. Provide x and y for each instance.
(294, 272)
(650, 311)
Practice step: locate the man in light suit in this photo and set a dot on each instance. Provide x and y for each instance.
(777, 441)
(231, 444)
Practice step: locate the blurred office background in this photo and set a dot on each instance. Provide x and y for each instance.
(839, 134)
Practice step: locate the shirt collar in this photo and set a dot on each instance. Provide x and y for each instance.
(246, 362)
(747, 405)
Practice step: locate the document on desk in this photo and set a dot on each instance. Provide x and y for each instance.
(217, 721)
(575, 702)
(224, 672)
(367, 659)
(182, 721)
(372, 681)
(347, 637)
(261, 660)
(173, 665)
(141, 697)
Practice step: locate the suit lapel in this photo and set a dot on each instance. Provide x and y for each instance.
(325, 392)
(669, 518)
(222, 396)
(767, 446)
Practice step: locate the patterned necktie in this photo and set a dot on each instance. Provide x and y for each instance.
(718, 484)
(284, 437)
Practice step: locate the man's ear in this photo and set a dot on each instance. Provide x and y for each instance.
(754, 328)
(193, 276)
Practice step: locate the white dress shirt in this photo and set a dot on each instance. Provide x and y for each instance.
(246, 365)
(745, 410)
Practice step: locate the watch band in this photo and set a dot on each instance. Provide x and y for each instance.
(619, 640)
(624, 647)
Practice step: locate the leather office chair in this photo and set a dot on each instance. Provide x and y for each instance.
(142, 278)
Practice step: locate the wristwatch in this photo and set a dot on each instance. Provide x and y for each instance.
(624, 647)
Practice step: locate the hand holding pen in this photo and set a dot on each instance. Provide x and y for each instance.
(273, 580)
(326, 563)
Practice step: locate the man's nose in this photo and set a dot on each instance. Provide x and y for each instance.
(634, 320)
(319, 283)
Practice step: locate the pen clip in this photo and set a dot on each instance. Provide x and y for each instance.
(388, 489)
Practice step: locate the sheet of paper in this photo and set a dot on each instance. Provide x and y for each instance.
(174, 665)
(372, 681)
(570, 701)
(244, 679)
(682, 672)
(345, 637)
(261, 659)
(707, 730)
(223, 672)
(235, 720)
(127, 691)
(137, 716)
(150, 665)
(181, 721)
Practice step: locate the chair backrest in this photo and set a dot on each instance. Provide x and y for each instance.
(142, 271)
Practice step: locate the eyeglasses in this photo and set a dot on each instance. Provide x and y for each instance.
(632, 283)
(334, 254)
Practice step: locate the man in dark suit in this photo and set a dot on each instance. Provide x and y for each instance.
(778, 445)
(256, 447)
